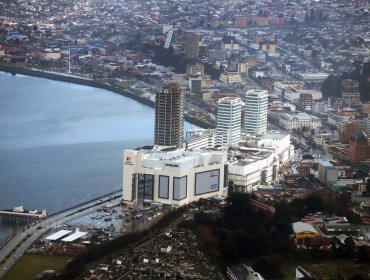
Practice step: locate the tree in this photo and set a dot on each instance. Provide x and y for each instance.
(349, 246)
(292, 19)
(312, 15)
(320, 16)
(269, 266)
(212, 71)
(307, 18)
(363, 255)
(263, 241)
(238, 206)
(331, 87)
(315, 53)
(227, 245)
(357, 276)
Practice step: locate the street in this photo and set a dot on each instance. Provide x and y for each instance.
(23, 239)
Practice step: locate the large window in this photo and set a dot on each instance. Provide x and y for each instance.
(145, 187)
(207, 182)
(149, 186)
(140, 189)
(133, 186)
(180, 187)
(164, 187)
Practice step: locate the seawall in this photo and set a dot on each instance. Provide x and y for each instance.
(92, 83)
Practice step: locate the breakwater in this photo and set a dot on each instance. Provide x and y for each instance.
(90, 82)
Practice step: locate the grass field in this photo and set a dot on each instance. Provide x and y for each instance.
(331, 269)
(30, 265)
(327, 269)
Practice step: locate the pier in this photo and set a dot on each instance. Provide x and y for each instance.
(17, 244)
(21, 215)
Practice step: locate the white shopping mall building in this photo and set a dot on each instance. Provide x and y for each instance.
(259, 164)
(172, 176)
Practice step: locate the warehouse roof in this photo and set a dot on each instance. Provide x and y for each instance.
(301, 227)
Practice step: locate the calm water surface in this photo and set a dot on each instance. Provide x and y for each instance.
(61, 143)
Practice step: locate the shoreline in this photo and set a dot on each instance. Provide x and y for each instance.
(89, 82)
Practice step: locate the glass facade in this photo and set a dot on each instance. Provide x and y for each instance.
(180, 187)
(133, 187)
(164, 187)
(145, 187)
(149, 186)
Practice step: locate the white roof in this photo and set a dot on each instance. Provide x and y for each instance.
(57, 235)
(301, 227)
(74, 236)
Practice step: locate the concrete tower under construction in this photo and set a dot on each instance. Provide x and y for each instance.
(169, 116)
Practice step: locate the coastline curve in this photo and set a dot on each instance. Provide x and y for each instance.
(92, 83)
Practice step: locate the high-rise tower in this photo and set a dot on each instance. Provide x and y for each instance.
(255, 120)
(169, 116)
(192, 45)
(229, 119)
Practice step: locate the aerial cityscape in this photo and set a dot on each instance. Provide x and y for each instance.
(184, 139)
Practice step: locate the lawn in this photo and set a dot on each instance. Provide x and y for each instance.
(29, 265)
(330, 269)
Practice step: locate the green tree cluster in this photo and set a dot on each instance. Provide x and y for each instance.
(331, 87)
(167, 57)
(244, 232)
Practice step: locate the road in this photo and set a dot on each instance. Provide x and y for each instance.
(34, 232)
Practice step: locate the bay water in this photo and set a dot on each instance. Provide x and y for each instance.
(62, 143)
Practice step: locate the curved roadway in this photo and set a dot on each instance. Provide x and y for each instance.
(19, 243)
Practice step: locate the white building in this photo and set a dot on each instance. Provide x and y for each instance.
(280, 144)
(199, 138)
(51, 54)
(320, 107)
(229, 120)
(289, 121)
(313, 76)
(256, 105)
(320, 140)
(281, 87)
(171, 176)
(230, 78)
(368, 126)
(254, 166)
(241, 271)
(292, 95)
(327, 172)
